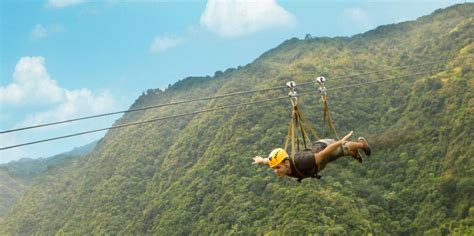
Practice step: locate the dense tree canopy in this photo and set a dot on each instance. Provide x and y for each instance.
(193, 175)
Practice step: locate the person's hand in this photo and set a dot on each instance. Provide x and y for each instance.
(344, 140)
(257, 160)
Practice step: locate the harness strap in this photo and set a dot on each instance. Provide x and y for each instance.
(295, 121)
(327, 117)
(289, 132)
(308, 126)
(298, 122)
(324, 98)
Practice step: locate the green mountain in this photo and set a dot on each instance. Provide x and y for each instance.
(11, 189)
(16, 175)
(193, 174)
(28, 168)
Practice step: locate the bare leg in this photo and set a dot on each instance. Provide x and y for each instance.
(352, 147)
(329, 153)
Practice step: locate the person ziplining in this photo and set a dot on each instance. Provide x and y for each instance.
(309, 162)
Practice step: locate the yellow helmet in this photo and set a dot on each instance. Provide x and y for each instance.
(276, 157)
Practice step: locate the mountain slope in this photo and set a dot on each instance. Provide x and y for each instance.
(11, 188)
(192, 175)
(15, 176)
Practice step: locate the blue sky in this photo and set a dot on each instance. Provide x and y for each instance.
(62, 59)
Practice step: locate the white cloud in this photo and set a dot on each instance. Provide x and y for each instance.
(33, 92)
(235, 18)
(163, 43)
(356, 17)
(38, 32)
(63, 3)
(76, 103)
(31, 85)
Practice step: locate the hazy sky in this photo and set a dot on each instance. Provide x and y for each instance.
(62, 59)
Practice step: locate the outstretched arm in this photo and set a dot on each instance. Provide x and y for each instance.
(333, 146)
(260, 160)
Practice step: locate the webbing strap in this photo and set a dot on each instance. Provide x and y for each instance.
(292, 140)
(295, 133)
(300, 125)
(327, 117)
(297, 122)
(293, 149)
(304, 135)
(323, 92)
(289, 132)
(308, 126)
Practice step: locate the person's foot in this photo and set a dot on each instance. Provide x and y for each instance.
(356, 155)
(366, 147)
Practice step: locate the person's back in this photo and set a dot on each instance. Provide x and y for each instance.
(304, 165)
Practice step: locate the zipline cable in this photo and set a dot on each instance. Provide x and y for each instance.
(141, 108)
(209, 98)
(211, 109)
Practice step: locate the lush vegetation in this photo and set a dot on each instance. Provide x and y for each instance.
(193, 175)
(11, 189)
(16, 175)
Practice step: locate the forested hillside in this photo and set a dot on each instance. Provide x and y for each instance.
(11, 188)
(15, 176)
(193, 174)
